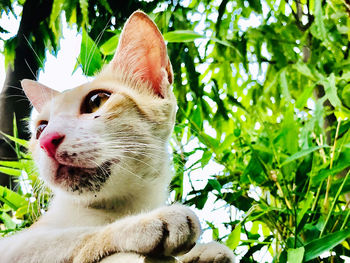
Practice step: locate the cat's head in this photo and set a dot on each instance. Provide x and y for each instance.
(109, 135)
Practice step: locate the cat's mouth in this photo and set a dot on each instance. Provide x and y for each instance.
(81, 179)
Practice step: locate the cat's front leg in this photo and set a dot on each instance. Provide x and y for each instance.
(167, 231)
(208, 253)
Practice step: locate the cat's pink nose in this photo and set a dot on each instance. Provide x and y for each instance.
(50, 143)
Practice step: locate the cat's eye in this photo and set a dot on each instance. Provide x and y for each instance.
(40, 128)
(94, 100)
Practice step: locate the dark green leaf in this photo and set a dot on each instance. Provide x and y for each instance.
(324, 244)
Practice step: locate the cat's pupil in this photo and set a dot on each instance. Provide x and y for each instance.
(94, 101)
(40, 128)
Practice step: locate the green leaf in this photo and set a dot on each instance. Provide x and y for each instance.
(9, 51)
(319, 21)
(331, 91)
(179, 36)
(234, 238)
(109, 47)
(89, 57)
(215, 185)
(237, 132)
(342, 163)
(10, 171)
(21, 142)
(302, 153)
(55, 12)
(12, 164)
(3, 30)
(302, 99)
(284, 84)
(106, 5)
(206, 158)
(9, 224)
(199, 200)
(11, 198)
(346, 95)
(303, 69)
(84, 4)
(214, 229)
(318, 246)
(295, 255)
(255, 5)
(307, 203)
(196, 118)
(209, 141)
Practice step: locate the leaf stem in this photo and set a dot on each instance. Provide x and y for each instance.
(334, 202)
(329, 180)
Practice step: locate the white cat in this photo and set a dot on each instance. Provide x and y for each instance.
(102, 148)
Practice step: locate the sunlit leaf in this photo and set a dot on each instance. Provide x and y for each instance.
(109, 47)
(181, 36)
(319, 20)
(11, 198)
(10, 171)
(7, 220)
(84, 4)
(234, 238)
(296, 255)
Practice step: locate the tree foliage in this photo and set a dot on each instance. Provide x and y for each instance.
(263, 89)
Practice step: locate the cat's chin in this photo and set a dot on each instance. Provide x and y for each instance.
(81, 179)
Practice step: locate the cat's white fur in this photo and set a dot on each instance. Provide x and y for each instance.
(121, 219)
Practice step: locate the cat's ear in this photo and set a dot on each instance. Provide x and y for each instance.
(37, 93)
(142, 52)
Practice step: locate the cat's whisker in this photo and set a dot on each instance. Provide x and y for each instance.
(95, 45)
(35, 53)
(143, 148)
(34, 76)
(116, 135)
(143, 162)
(130, 172)
(14, 96)
(143, 154)
(13, 87)
(126, 143)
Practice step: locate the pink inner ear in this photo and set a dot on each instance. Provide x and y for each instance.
(142, 51)
(38, 94)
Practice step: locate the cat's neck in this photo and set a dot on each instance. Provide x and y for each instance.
(68, 212)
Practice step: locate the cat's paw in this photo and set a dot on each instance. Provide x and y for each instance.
(167, 231)
(208, 253)
(182, 229)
